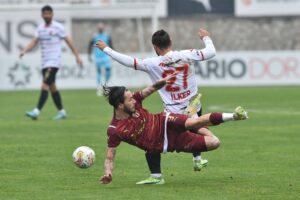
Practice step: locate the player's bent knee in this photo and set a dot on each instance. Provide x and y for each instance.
(217, 143)
(212, 143)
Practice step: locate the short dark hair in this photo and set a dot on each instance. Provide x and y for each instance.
(47, 8)
(161, 39)
(114, 95)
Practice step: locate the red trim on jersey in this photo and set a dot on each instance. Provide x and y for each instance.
(134, 63)
(202, 55)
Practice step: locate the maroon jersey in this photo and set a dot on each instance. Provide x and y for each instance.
(144, 130)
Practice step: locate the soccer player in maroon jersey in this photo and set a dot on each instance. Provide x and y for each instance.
(163, 132)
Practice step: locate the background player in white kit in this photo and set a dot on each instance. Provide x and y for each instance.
(180, 90)
(50, 34)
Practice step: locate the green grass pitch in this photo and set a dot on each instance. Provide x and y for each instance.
(258, 158)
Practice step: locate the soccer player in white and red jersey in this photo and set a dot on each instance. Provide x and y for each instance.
(181, 89)
(163, 132)
(50, 34)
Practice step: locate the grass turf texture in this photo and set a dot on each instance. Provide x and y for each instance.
(258, 158)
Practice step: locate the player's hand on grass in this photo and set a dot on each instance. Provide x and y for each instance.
(202, 33)
(106, 179)
(101, 44)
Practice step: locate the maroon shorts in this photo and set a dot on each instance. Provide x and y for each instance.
(180, 139)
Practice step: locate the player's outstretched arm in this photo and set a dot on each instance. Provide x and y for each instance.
(209, 51)
(123, 59)
(158, 85)
(108, 166)
(31, 45)
(203, 54)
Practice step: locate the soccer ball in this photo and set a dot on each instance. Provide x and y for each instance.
(84, 157)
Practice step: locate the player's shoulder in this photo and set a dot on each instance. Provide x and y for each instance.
(172, 55)
(105, 34)
(112, 127)
(94, 38)
(113, 122)
(96, 35)
(58, 25)
(182, 52)
(153, 61)
(186, 52)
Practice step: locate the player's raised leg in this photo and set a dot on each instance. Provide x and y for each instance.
(215, 118)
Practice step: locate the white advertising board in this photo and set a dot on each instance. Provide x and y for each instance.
(257, 8)
(25, 74)
(250, 69)
(226, 69)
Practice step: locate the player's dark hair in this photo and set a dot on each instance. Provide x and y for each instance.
(114, 95)
(161, 39)
(47, 8)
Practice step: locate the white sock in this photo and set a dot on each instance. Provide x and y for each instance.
(156, 175)
(227, 117)
(197, 158)
(63, 111)
(36, 111)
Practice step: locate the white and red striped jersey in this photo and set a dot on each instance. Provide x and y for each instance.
(178, 92)
(50, 38)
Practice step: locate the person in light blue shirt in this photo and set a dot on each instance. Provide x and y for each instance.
(101, 59)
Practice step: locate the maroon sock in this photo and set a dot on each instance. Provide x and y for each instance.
(216, 118)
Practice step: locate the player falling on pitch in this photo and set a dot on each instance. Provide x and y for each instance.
(163, 132)
(178, 93)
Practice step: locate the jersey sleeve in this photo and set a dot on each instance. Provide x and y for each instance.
(144, 64)
(203, 54)
(138, 97)
(128, 61)
(113, 140)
